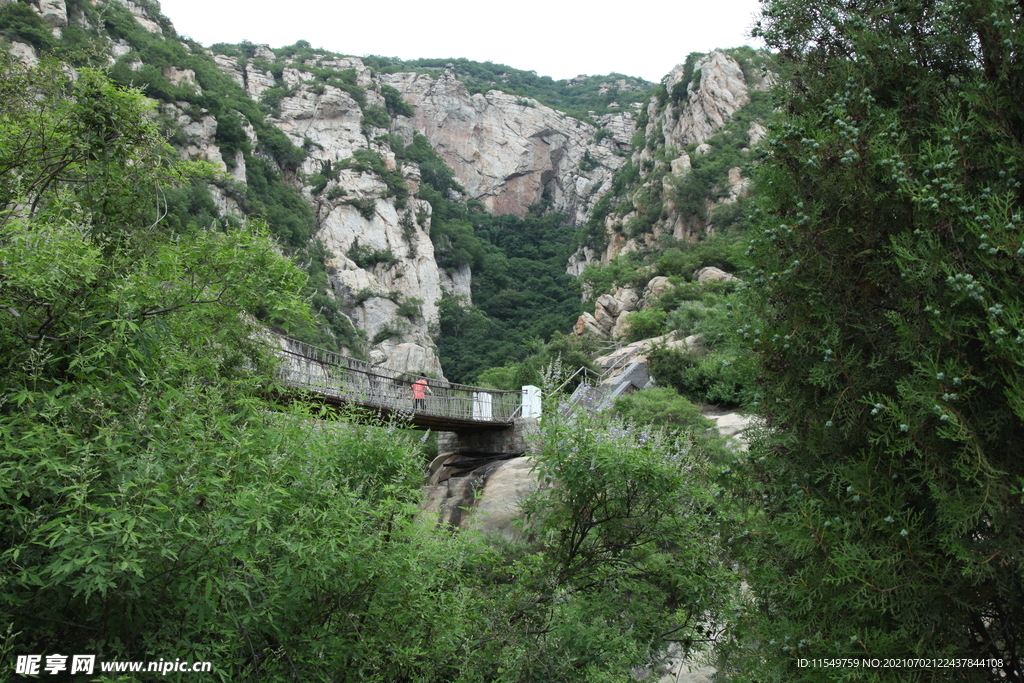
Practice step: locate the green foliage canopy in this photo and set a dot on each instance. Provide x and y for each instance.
(890, 333)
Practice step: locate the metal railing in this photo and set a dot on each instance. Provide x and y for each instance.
(582, 370)
(344, 379)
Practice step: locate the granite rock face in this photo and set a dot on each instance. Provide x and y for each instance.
(510, 152)
(54, 12)
(711, 100)
(507, 151)
(717, 89)
(483, 497)
(26, 54)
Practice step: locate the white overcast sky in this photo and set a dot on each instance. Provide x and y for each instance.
(552, 37)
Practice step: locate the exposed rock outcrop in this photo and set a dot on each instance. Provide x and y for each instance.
(717, 89)
(609, 319)
(510, 152)
(470, 492)
(26, 54)
(54, 12)
(719, 92)
(147, 22)
(507, 152)
(637, 351)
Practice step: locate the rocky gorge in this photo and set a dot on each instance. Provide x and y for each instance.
(507, 152)
(356, 165)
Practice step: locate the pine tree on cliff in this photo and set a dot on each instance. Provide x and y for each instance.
(890, 331)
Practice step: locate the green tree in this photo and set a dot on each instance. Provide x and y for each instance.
(662, 407)
(631, 557)
(19, 22)
(148, 497)
(890, 333)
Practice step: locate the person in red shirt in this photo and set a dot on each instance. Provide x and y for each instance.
(419, 393)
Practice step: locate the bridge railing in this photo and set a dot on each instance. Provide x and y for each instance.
(351, 380)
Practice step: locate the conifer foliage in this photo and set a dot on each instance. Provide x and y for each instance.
(890, 332)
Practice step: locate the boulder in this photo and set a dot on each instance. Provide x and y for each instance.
(414, 359)
(711, 273)
(229, 65)
(623, 300)
(497, 507)
(621, 327)
(738, 185)
(142, 17)
(681, 165)
(587, 324)
(656, 287)
(603, 317)
(26, 54)
(54, 12)
(485, 497)
(178, 76)
(756, 133)
(732, 425)
(265, 53)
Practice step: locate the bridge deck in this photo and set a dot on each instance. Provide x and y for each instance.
(319, 375)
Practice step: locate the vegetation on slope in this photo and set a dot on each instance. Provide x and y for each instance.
(265, 194)
(521, 293)
(637, 187)
(582, 97)
(878, 513)
(889, 336)
(156, 505)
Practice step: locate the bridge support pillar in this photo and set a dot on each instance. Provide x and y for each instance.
(519, 438)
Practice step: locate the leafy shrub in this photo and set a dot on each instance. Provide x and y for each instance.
(231, 137)
(317, 182)
(369, 161)
(271, 98)
(687, 317)
(505, 378)
(284, 208)
(395, 103)
(684, 259)
(385, 333)
(625, 525)
(376, 115)
(716, 377)
(411, 308)
(367, 257)
(645, 324)
(664, 407)
(19, 22)
(625, 270)
(366, 207)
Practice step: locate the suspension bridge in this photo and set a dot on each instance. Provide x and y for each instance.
(317, 375)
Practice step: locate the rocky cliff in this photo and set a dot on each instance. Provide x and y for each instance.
(509, 152)
(506, 152)
(698, 102)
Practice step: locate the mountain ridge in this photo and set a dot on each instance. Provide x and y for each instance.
(326, 148)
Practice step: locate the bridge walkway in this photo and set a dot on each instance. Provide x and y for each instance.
(330, 378)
